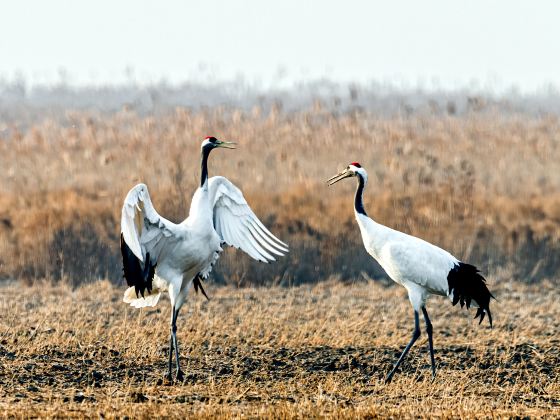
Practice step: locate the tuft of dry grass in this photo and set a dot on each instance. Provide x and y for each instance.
(305, 351)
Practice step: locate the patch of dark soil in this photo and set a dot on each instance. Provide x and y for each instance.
(191, 399)
(137, 397)
(498, 364)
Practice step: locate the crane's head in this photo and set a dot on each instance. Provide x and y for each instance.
(354, 169)
(210, 143)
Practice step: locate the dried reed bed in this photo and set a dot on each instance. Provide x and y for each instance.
(307, 351)
(483, 184)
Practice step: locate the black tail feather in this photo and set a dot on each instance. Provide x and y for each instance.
(197, 283)
(136, 275)
(467, 284)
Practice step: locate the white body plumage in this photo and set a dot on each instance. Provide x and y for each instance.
(218, 213)
(419, 266)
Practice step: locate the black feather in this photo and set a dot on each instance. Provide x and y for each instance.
(467, 284)
(455, 298)
(136, 275)
(197, 283)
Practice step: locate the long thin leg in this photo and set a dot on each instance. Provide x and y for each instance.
(179, 374)
(171, 345)
(415, 336)
(429, 330)
(169, 376)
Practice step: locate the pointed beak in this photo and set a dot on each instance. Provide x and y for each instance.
(344, 174)
(227, 144)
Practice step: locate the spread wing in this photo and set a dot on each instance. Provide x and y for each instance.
(238, 226)
(144, 236)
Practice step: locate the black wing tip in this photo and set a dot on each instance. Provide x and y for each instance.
(197, 283)
(135, 273)
(481, 312)
(467, 284)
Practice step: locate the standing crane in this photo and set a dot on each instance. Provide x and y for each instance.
(420, 267)
(159, 255)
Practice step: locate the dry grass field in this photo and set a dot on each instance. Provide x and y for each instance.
(483, 184)
(305, 351)
(311, 335)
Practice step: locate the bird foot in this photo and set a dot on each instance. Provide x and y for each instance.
(167, 379)
(389, 377)
(180, 377)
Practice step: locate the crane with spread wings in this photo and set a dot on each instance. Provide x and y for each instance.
(159, 255)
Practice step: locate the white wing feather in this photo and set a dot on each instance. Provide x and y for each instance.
(143, 229)
(238, 226)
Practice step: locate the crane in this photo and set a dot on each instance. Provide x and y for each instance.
(421, 268)
(159, 255)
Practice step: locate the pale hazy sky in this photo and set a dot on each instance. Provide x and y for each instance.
(432, 43)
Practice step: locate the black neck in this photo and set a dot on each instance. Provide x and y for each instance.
(358, 199)
(204, 166)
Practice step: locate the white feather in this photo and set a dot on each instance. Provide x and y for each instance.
(149, 299)
(142, 227)
(236, 223)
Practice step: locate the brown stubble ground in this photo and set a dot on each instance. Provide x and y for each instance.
(308, 351)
